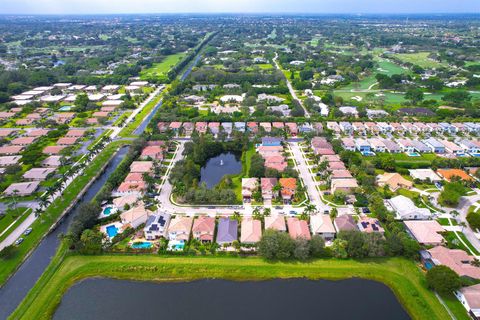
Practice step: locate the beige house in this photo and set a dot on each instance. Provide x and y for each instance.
(180, 228)
(394, 181)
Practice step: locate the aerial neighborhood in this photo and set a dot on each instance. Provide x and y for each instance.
(173, 148)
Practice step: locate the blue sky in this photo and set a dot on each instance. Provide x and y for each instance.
(242, 6)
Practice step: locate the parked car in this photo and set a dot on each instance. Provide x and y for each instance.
(19, 240)
(28, 231)
(292, 213)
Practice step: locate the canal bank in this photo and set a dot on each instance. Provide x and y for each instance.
(18, 285)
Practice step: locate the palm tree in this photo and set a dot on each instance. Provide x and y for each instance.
(267, 212)
(236, 216)
(256, 213)
(310, 209)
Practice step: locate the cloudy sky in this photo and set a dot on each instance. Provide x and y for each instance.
(241, 6)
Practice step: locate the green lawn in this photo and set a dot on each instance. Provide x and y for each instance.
(19, 213)
(402, 276)
(53, 212)
(420, 58)
(161, 69)
(389, 68)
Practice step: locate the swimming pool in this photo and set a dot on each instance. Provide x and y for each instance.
(475, 154)
(112, 231)
(107, 211)
(413, 154)
(65, 108)
(142, 245)
(368, 153)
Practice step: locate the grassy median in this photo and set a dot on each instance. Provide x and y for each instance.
(54, 211)
(401, 275)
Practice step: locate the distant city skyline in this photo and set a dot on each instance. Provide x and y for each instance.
(237, 6)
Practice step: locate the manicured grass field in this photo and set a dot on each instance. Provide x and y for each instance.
(420, 58)
(161, 69)
(19, 213)
(389, 68)
(53, 212)
(402, 276)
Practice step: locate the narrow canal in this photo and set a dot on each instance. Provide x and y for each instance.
(17, 287)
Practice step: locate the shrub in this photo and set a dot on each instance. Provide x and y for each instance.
(443, 280)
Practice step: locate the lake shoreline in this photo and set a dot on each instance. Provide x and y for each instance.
(403, 277)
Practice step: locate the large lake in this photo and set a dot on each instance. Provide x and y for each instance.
(215, 168)
(226, 300)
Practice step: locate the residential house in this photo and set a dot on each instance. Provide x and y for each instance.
(214, 128)
(289, 187)
(38, 174)
(53, 150)
(6, 161)
(394, 181)
(141, 166)
(321, 224)
(424, 175)
(135, 216)
(271, 141)
(391, 146)
(227, 127)
(179, 228)
(349, 111)
(362, 145)
(267, 185)
(426, 232)
(127, 200)
(348, 144)
(345, 223)
(249, 186)
(267, 126)
(346, 127)
(377, 145)
(406, 145)
(152, 152)
(251, 230)
(470, 299)
(469, 146)
(292, 128)
(227, 231)
(335, 127)
(435, 145)
(188, 128)
(421, 147)
(405, 209)
(345, 185)
(276, 162)
(201, 127)
(369, 225)
(298, 228)
(372, 113)
(449, 174)
(240, 126)
(22, 188)
(156, 226)
(203, 229)
(23, 141)
(452, 148)
(276, 222)
(456, 259)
